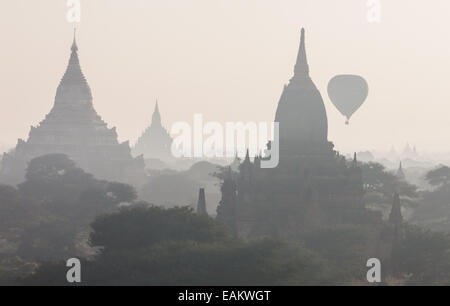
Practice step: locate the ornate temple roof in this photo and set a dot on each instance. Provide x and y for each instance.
(301, 111)
(73, 100)
(73, 87)
(73, 116)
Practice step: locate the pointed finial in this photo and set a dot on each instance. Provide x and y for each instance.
(355, 161)
(301, 67)
(400, 173)
(156, 117)
(74, 44)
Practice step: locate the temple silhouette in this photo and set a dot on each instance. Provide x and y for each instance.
(312, 186)
(155, 141)
(74, 128)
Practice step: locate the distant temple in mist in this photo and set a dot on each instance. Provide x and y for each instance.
(155, 142)
(73, 127)
(313, 186)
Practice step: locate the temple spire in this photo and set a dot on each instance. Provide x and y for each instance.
(245, 168)
(301, 67)
(74, 62)
(156, 117)
(201, 204)
(73, 87)
(355, 160)
(395, 217)
(74, 47)
(247, 157)
(400, 172)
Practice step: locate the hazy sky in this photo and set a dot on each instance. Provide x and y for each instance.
(229, 60)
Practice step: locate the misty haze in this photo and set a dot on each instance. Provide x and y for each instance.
(224, 143)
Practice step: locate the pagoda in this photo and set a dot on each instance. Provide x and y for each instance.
(155, 142)
(313, 186)
(74, 128)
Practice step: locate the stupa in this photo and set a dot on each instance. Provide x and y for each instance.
(74, 128)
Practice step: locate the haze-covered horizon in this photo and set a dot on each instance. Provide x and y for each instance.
(139, 149)
(229, 61)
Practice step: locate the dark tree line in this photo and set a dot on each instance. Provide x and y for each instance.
(61, 212)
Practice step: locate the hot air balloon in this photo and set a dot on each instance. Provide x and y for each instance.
(348, 93)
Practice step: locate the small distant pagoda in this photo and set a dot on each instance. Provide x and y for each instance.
(400, 173)
(155, 142)
(74, 128)
(395, 217)
(201, 204)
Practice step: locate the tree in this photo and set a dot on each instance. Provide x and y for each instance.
(377, 180)
(381, 185)
(68, 200)
(183, 263)
(424, 255)
(156, 246)
(67, 191)
(346, 246)
(50, 239)
(142, 226)
(16, 210)
(54, 177)
(434, 213)
(439, 176)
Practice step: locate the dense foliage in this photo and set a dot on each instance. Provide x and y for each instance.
(47, 217)
(153, 246)
(434, 211)
(61, 212)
